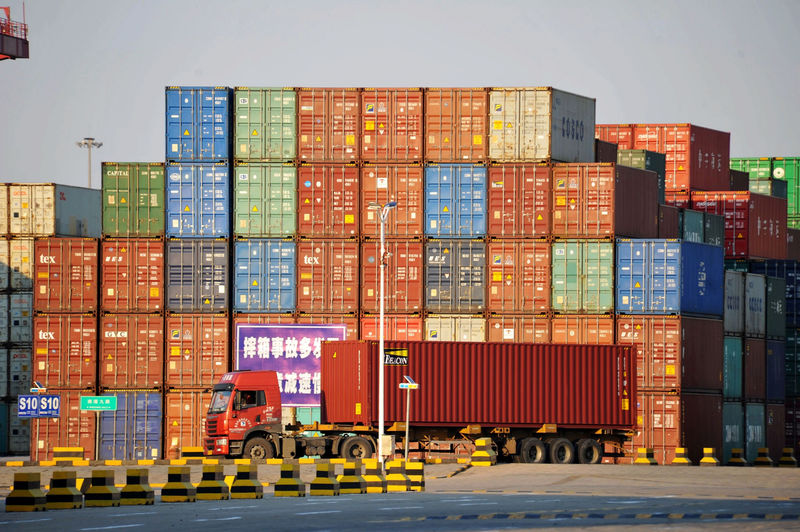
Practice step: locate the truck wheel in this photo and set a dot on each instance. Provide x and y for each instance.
(356, 447)
(258, 449)
(532, 451)
(562, 451)
(589, 451)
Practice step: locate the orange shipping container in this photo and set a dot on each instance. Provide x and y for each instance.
(327, 276)
(329, 124)
(583, 329)
(65, 351)
(619, 134)
(392, 182)
(197, 349)
(132, 275)
(131, 350)
(349, 320)
(519, 200)
(327, 201)
(73, 428)
(518, 328)
(66, 273)
(680, 200)
(519, 276)
(397, 327)
(403, 276)
(184, 420)
(455, 125)
(391, 125)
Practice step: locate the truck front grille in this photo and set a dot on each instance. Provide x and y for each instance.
(211, 427)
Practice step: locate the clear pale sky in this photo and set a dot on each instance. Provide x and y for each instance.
(98, 68)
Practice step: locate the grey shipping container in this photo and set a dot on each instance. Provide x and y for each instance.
(20, 364)
(20, 260)
(755, 310)
(20, 317)
(732, 429)
(713, 229)
(47, 209)
(691, 226)
(755, 430)
(455, 276)
(734, 302)
(197, 275)
(732, 367)
(776, 308)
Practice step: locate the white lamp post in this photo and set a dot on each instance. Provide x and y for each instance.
(89, 143)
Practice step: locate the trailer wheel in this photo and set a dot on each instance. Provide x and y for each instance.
(589, 451)
(532, 451)
(258, 449)
(356, 447)
(562, 451)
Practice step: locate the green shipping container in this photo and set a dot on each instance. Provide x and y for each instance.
(757, 167)
(732, 368)
(737, 265)
(732, 429)
(793, 222)
(133, 199)
(265, 200)
(583, 277)
(755, 430)
(792, 363)
(646, 160)
(265, 124)
(714, 229)
(691, 225)
(776, 308)
(788, 169)
(770, 187)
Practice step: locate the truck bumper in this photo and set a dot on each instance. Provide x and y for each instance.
(216, 446)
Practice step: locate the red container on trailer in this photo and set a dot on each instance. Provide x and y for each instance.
(184, 419)
(327, 201)
(397, 327)
(381, 183)
(456, 125)
(582, 329)
(754, 381)
(328, 124)
(403, 290)
(66, 274)
(680, 200)
(776, 430)
(132, 275)
(197, 349)
(668, 221)
(519, 276)
(391, 125)
(619, 134)
(605, 152)
(73, 427)
(755, 225)
(65, 351)
(327, 276)
(740, 181)
(131, 351)
(519, 200)
(349, 320)
(519, 328)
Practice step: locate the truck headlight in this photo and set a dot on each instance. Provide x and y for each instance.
(221, 441)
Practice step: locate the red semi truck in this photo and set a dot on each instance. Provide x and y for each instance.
(537, 402)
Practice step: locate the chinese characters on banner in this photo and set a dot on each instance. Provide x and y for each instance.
(292, 351)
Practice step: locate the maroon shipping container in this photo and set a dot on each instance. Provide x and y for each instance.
(73, 427)
(619, 134)
(754, 373)
(792, 243)
(668, 221)
(456, 125)
(490, 384)
(739, 180)
(605, 152)
(598, 200)
(393, 182)
(197, 349)
(519, 276)
(329, 124)
(66, 274)
(184, 420)
(519, 328)
(755, 225)
(396, 327)
(679, 200)
(519, 200)
(674, 352)
(132, 275)
(350, 320)
(131, 351)
(582, 329)
(391, 125)
(327, 200)
(65, 351)
(403, 276)
(776, 430)
(327, 276)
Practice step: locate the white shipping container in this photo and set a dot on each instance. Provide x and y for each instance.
(46, 209)
(3, 374)
(19, 432)
(4, 318)
(734, 311)
(20, 257)
(755, 313)
(451, 328)
(20, 317)
(5, 264)
(3, 209)
(19, 373)
(534, 124)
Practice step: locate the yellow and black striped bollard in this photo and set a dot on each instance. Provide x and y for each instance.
(397, 480)
(137, 490)
(709, 457)
(787, 458)
(27, 494)
(63, 493)
(178, 487)
(351, 481)
(373, 476)
(290, 484)
(246, 484)
(483, 455)
(416, 475)
(680, 457)
(325, 484)
(763, 459)
(645, 456)
(737, 458)
(102, 492)
(212, 487)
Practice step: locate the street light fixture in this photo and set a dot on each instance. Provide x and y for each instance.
(89, 143)
(383, 213)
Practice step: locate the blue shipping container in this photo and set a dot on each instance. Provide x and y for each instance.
(455, 276)
(198, 200)
(669, 277)
(790, 271)
(265, 278)
(198, 124)
(776, 370)
(455, 200)
(133, 431)
(196, 275)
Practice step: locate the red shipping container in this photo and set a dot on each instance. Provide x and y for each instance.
(329, 124)
(605, 152)
(403, 276)
(599, 200)
(131, 351)
(396, 327)
(792, 244)
(519, 276)
(327, 276)
(262, 318)
(754, 380)
(391, 125)
(519, 200)
(66, 274)
(132, 275)
(582, 329)
(184, 420)
(739, 180)
(456, 125)
(679, 200)
(755, 225)
(518, 328)
(401, 183)
(349, 320)
(619, 134)
(327, 200)
(65, 351)
(73, 428)
(674, 352)
(668, 221)
(465, 383)
(776, 430)
(197, 349)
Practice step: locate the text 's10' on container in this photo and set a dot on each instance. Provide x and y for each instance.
(198, 124)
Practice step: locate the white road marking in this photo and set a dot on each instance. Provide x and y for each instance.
(113, 527)
(232, 507)
(323, 512)
(24, 521)
(479, 504)
(136, 513)
(401, 508)
(218, 519)
(630, 502)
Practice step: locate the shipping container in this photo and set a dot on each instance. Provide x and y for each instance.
(196, 275)
(668, 221)
(756, 167)
(197, 349)
(132, 275)
(133, 199)
(455, 328)
(775, 370)
(792, 244)
(391, 125)
(396, 327)
(198, 200)
(740, 181)
(691, 225)
(732, 367)
(770, 187)
(46, 209)
(525, 328)
(20, 360)
(66, 274)
(264, 275)
(755, 430)
(349, 320)
(4, 367)
(793, 424)
(682, 200)
(403, 276)
(542, 123)
(583, 277)
(754, 365)
(73, 428)
(184, 419)
(4, 320)
(669, 277)
(520, 200)
(4, 211)
(455, 276)
(582, 329)
(133, 430)
(789, 270)
(776, 308)
(264, 200)
(21, 259)
(264, 124)
(131, 351)
(19, 432)
(733, 430)
(455, 125)
(329, 124)
(5, 263)
(392, 182)
(65, 351)
(455, 200)
(605, 152)
(788, 169)
(677, 353)
(792, 363)
(519, 276)
(4, 428)
(619, 134)
(328, 276)
(645, 160)
(714, 229)
(755, 311)
(775, 430)
(20, 317)
(734, 306)
(198, 124)
(327, 201)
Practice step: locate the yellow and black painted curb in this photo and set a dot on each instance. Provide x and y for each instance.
(546, 516)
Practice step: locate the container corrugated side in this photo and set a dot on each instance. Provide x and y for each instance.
(732, 361)
(755, 310)
(132, 275)
(4, 322)
(329, 124)
(590, 329)
(21, 260)
(788, 169)
(519, 328)
(131, 352)
(19, 432)
(4, 209)
(455, 200)
(198, 124)
(754, 379)
(5, 264)
(349, 320)
(264, 124)
(732, 429)
(197, 350)
(755, 430)
(133, 199)
(133, 430)
(455, 125)
(645, 160)
(20, 317)
(668, 221)
(619, 134)
(65, 351)
(73, 428)
(66, 274)
(775, 370)
(45, 209)
(391, 125)
(196, 275)
(455, 276)
(793, 423)
(455, 328)
(789, 270)
(327, 201)
(397, 327)
(792, 363)
(3, 385)
(264, 275)
(714, 229)
(793, 244)
(739, 180)
(328, 276)
(605, 152)
(382, 183)
(776, 308)
(755, 167)
(775, 430)
(519, 202)
(184, 420)
(519, 276)
(19, 370)
(4, 408)
(198, 200)
(692, 226)
(583, 277)
(769, 187)
(403, 291)
(264, 200)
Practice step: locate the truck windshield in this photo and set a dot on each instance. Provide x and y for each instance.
(219, 402)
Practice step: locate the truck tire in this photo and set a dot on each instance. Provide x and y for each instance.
(532, 451)
(356, 447)
(258, 449)
(589, 451)
(562, 451)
